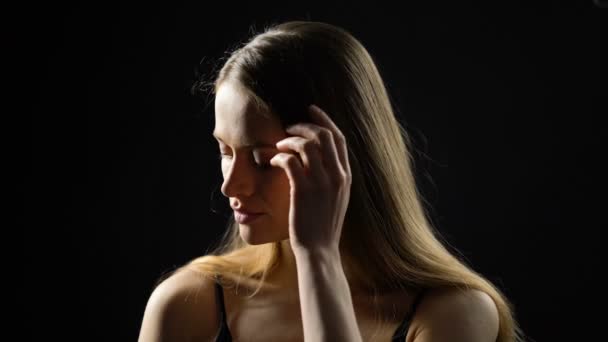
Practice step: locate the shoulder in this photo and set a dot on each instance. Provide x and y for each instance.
(452, 314)
(181, 308)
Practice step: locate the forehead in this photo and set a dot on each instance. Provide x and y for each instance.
(239, 123)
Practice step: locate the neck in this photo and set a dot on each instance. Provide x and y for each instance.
(284, 278)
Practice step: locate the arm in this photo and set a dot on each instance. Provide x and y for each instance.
(326, 303)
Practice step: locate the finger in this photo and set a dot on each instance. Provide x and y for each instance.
(321, 118)
(309, 151)
(326, 143)
(292, 166)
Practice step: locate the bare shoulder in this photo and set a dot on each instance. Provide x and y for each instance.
(456, 315)
(181, 308)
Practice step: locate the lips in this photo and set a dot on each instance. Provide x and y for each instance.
(245, 217)
(245, 212)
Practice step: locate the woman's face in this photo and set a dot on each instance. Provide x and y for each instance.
(247, 143)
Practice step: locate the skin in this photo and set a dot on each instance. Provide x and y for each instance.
(250, 181)
(315, 161)
(304, 193)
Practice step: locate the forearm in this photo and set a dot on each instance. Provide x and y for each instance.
(325, 299)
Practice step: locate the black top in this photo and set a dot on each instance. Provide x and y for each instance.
(399, 335)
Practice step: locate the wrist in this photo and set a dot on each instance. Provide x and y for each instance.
(316, 254)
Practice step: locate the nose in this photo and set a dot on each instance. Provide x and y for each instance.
(238, 180)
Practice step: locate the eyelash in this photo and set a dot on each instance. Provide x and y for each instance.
(259, 166)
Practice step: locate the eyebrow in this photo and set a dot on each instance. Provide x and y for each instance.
(254, 144)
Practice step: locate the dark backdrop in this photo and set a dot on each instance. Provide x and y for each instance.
(120, 176)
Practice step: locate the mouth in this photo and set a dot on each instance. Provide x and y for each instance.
(244, 217)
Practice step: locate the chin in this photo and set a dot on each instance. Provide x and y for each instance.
(258, 237)
(255, 237)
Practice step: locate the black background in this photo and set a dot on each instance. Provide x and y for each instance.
(118, 166)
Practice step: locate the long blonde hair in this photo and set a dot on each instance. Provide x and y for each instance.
(387, 242)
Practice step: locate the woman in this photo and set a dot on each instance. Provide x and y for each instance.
(331, 241)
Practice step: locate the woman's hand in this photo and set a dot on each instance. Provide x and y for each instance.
(320, 182)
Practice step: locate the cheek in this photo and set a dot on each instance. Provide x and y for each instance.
(280, 182)
(276, 191)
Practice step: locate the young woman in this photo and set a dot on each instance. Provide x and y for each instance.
(330, 241)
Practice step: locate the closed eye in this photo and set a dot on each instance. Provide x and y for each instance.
(221, 156)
